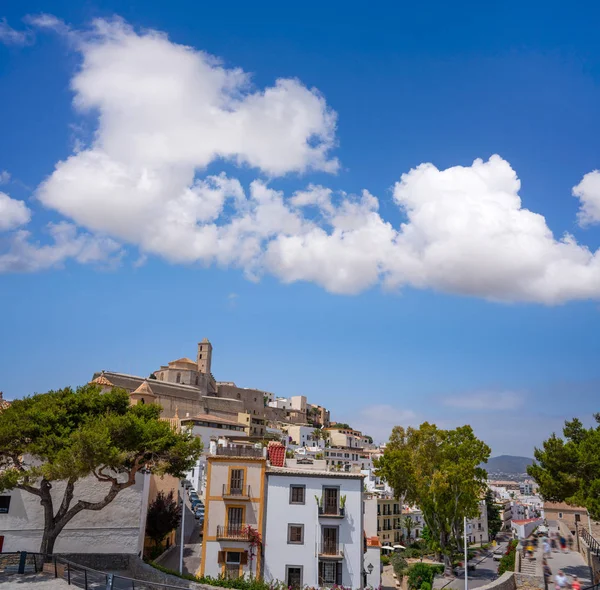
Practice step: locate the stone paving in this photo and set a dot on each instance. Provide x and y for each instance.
(32, 582)
(572, 563)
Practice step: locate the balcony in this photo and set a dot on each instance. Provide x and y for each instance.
(331, 512)
(242, 493)
(331, 551)
(251, 452)
(233, 533)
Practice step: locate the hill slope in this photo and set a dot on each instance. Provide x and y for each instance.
(508, 464)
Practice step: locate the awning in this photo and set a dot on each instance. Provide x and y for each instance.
(399, 547)
(387, 548)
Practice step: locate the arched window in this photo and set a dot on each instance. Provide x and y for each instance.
(178, 378)
(196, 379)
(142, 401)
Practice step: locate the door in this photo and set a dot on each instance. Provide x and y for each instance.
(330, 540)
(1, 542)
(235, 520)
(237, 481)
(331, 501)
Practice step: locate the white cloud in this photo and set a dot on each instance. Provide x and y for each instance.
(13, 213)
(22, 255)
(10, 36)
(4, 176)
(486, 401)
(588, 192)
(166, 111)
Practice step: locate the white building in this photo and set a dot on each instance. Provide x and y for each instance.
(309, 543)
(117, 528)
(295, 402)
(302, 436)
(347, 459)
(477, 528)
(208, 428)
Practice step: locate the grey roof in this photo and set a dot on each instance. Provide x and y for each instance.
(159, 388)
(312, 473)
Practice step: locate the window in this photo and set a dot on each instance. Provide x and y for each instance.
(296, 534)
(200, 356)
(178, 378)
(560, 515)
(235, 519)
(4, 504)
(297, 494)
(234, 557)
(236, 482)
(330, 573)
(293, 576)
(196, 379)
(331, 500)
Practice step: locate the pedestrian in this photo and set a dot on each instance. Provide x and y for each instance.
(576, 584)
(546, 547)
(560, 581)
(530, 550)
(552, 543)
(563, 544)
(547, 572)
(570, 543)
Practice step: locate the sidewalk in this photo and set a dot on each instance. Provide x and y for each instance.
(571, 563)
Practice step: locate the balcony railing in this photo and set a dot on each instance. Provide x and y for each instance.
(239, 452)
(241, 493)
(331, 551)
(233, 532)
(331, 512)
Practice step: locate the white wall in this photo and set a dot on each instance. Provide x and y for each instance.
(115, 529)
(280, 513)
(373, 557)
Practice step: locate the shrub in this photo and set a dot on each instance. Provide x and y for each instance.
(399, 564)
(419, 573)
(385, 560)
(507, 563)
(425, 586)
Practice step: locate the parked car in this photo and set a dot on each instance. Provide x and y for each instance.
(199, 513)
(498, 554)
(193, 493)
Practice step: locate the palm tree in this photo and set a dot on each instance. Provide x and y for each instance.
(408, 524)
(317, 434)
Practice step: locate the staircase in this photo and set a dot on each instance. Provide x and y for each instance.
(528, 566)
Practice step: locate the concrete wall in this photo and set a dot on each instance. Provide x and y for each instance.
(115, 529)
(373, 557)
(280, 513)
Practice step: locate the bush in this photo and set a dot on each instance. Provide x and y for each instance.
(507, 563)
(399, 564)
(425, 586)
(420, 573)
(385, 560)
(154, 551)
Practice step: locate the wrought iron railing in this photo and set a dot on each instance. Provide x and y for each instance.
(22, 563)
(239, 452)
(331, 549)
(233, 532)
(590, 540)
(241, 492)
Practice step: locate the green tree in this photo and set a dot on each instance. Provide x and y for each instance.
(568, 468)
(437, 470)
(163, 516)
(493, 515)
(419, 574)
(48, 442)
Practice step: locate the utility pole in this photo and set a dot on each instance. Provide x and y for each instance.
(466, 554)
(182, 543)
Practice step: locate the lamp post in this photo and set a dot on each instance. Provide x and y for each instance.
(466, 554)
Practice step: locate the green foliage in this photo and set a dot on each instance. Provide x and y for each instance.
(425, 586)
(67, 435)
(399, 564)
(507, 563)
(154, 551)
(493, 514)
(568, 469)
(438, 470)
(163, 516)
(419, 574)
(385, 560)
(341, 426)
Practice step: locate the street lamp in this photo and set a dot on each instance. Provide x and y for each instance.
(182, 527)
(370, 568)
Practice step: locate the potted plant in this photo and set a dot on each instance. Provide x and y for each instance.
(319, 503)
(342, 505)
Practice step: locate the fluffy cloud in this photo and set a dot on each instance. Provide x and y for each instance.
(13, 213)
(10, 36)
(588, 192)
(22, 255)
(486, 401)
(166, 111)
(4, 176)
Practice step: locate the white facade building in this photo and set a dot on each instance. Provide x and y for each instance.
(117, 528)
(307, 544)
(302, 436)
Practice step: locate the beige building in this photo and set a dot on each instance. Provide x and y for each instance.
(234, 511)
(349, 438)
(318, 416)
(254, 425)
(389, 521)
(570, 515)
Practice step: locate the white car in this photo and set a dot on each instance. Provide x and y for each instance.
(499, 553)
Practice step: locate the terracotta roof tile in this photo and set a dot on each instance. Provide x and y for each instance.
(102, 380)
(144, 389)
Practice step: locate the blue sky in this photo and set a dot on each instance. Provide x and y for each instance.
(153, 196)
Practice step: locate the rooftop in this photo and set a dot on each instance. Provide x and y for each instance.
(212, 418)
(312, 472)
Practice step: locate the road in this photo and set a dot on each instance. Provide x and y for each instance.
(486, 570)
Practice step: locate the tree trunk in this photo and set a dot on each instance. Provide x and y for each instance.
(48, 540)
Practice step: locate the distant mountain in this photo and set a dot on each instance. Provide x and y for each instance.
(508, 464)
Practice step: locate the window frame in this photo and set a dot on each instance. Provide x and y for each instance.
(6, 499)
(232, 552)
(290, 567)
(289, 533)
(298, 486)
